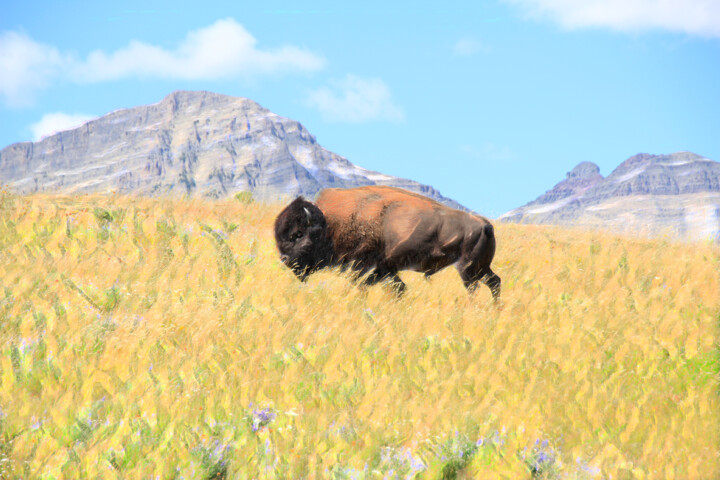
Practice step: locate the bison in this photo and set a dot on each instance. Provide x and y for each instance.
(377, 231)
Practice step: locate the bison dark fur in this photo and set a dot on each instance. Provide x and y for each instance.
(378, 231)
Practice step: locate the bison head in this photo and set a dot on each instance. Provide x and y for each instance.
(302, 239)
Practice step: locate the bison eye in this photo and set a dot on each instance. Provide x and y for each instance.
(295, 236)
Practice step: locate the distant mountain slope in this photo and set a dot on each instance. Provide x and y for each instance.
(677, 194)
(190, 143)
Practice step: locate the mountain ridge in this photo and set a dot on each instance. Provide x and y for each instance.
(676, 194)
(189, 143)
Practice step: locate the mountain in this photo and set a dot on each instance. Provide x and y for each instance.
(190, 143)
(677, 195)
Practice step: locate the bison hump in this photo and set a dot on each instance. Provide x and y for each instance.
(370, 202)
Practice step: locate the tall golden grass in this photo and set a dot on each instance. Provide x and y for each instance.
(161, 338)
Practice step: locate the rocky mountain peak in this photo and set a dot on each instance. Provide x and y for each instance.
(642, 161)
(181, 101)
(673, 174)
(677, 194)
(584, 170)
(577, 181)
(189, 143)
(634, 162)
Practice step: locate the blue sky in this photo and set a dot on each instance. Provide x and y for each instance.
(491, 102)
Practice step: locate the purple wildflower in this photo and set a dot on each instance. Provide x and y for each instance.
(262, 418)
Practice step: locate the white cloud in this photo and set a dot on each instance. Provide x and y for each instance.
(57, 122)
(695, 17)
(223, 50)
(469, 46)
(27, 66)
(356, 100)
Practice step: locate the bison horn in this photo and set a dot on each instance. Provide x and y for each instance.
(309, 217)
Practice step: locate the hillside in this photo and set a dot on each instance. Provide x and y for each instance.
(676, 195)
(145, 337)
(189, 144)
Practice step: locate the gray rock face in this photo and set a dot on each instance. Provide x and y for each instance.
(190, 143)
(577, 181)
(677, 195)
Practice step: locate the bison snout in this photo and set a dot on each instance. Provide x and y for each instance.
(284, 258)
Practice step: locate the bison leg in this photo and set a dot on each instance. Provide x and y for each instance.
(474, 265)
(493, 282)
(485, 275)
(381, 274)
(397, 285)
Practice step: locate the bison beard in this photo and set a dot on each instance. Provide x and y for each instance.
(378, 231)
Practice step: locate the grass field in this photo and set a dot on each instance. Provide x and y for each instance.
(145, 338)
